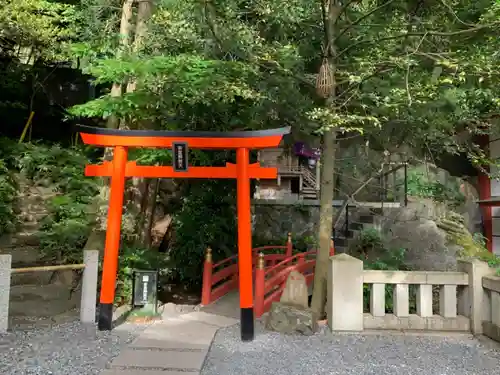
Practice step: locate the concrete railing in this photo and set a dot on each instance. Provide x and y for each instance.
(90, 268)
(460, 308)
(491, 317)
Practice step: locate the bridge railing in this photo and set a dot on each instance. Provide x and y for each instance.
(270, 282)
(222, 277)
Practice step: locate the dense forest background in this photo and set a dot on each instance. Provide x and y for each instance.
(413, 76)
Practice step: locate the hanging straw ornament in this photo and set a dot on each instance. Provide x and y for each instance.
(324, 80)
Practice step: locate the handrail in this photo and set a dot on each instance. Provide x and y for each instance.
(384, 175)
(258, 249)
(308, 174)
(287, 260)
(394, 169)
(254, 250)
(225, 261)
(49, 268)
(283, 272)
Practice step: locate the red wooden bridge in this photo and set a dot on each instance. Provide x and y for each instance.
(271, 267)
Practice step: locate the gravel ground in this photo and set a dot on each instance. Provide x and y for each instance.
(328, 354)
(66, 349)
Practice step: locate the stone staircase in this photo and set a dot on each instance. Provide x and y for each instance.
(359, 218)
(35, 296)
(309, 184)
(23, 244)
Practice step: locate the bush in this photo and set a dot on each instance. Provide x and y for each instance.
(207, 218)
(370, 247)
(419, 185)
(133, 257)
(8, 192)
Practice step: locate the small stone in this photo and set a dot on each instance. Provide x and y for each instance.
(295, 292)
(291, 319)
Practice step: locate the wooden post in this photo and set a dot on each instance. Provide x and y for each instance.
(289, 245)
(332, 248)
(260, 286)
(207, 278)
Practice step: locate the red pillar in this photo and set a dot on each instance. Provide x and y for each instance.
(206, 291)
(484, 187)
(112, 245)
(244, 245)
(260, 284)
(289, 246)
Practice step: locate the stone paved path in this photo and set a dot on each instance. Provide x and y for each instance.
(173, 346)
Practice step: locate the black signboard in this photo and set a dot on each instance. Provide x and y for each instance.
(144, 288)
(180, 156)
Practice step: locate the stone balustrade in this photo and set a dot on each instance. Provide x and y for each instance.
(89, 283)
(461, 305)
(425, 318)
(491, 317)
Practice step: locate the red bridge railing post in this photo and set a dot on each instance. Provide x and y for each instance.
(289, 245)
(207, 278)
(260, 286)
(301, 259)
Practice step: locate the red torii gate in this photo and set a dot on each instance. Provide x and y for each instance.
(120, 168)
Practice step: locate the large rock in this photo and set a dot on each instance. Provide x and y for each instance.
(291, 319)
(414, 228)
(295, 292)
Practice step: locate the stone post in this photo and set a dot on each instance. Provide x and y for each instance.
(473, 300)
(5, 272)
(345, 293)
(89, 286)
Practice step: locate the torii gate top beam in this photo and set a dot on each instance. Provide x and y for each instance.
(200, 140)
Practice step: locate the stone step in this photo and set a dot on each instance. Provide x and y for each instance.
(366, 219)
(341, 242)
(355, 226)
(175, 345)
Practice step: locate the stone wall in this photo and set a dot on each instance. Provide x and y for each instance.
(272, 220)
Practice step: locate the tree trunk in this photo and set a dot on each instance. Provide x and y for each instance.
(125, 29)
(327, 179)
(98, 234)
(144, 13)
(148, 211)
(331, 11)
(142, 194)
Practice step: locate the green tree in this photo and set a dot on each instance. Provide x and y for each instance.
(405, 74)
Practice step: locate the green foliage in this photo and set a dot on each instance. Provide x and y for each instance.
(420, 185)
(8, 192)
(370, 247)
(133, 257)
(207, 218)
(65, 230)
